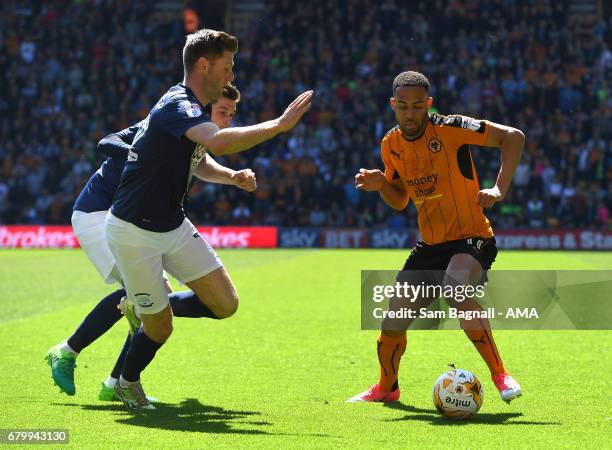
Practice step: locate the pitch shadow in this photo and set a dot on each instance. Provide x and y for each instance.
(433, 417)
(192, 416)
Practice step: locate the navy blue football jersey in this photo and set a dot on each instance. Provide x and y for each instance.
(159, 165)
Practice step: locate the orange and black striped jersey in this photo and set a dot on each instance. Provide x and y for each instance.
(439, 175)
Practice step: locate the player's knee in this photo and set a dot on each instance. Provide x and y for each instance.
(160, 333)
(167, 329)
(394, 327)
(158, 330)
(393, 332)
(228, 307)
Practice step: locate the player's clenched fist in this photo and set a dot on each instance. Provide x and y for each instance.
(245, 179)
(486, 198)
(369, 180)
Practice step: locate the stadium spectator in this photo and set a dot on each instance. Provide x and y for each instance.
(72, 72)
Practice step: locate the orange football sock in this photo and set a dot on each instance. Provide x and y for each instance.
(390, 350)
(482, 338)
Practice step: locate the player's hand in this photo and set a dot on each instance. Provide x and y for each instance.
(369, 180)
(245, 179)
(295, 111)
(486, 198)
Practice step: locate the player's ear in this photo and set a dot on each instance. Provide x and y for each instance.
(203, 64)
(392, 102)
(429, 102)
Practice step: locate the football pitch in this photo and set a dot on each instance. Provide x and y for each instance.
(277, 373)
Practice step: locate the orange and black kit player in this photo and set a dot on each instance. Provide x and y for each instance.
(427, 159)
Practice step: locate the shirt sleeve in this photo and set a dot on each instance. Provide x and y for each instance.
(178, 116)
(469, 130)
(390, 171)
(117, 145)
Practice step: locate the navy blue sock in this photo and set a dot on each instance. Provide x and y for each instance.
(97, 322)
(187, 304)
(119, 364)
(141, 352)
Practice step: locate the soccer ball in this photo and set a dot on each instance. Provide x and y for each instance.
(458, 394)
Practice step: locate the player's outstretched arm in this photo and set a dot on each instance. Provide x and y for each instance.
(510, 142)
(238, 139)
(211, 171)
(394, 193)
(117, 145)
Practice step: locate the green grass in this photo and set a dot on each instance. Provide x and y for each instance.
(277, 374)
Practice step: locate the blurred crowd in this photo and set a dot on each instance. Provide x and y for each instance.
(73, 71)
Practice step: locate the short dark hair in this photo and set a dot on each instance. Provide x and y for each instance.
(410, 79)
(230, 91)
(209, 44)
